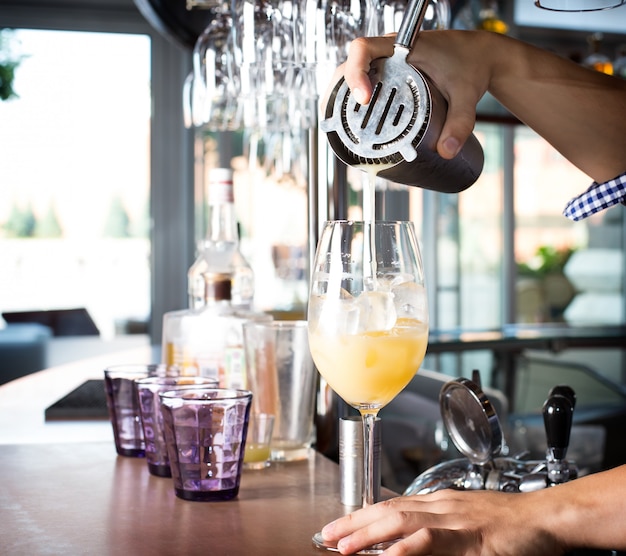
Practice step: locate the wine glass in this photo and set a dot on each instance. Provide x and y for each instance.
(368, 321)
(215, 88)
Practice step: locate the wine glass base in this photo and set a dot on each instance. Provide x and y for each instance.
(320, 543)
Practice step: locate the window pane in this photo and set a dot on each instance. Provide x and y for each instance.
(480, 238)
(74, 163)
(567, 271)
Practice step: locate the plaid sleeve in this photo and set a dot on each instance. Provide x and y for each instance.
(598, 197)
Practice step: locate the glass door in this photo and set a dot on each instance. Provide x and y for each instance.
(75, 174)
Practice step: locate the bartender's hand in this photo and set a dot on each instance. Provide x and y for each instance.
(551, 94)
(451, 522)
(452, 59)
(588, 512)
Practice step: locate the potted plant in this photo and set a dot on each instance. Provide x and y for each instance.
(9, 61)
(554, 290)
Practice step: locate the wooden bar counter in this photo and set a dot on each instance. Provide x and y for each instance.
(82, 498)
(64, 490)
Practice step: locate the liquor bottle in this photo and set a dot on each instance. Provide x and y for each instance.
(619, 64)
(489, 18)
(208, 340)
(220, 251)
(596, 60)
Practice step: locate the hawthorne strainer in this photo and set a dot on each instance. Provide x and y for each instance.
(399, 128)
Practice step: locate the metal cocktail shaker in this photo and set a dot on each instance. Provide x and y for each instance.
(400, 126)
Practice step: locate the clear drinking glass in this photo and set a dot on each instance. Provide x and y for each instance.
(438, 15)
(368, 321)
(282, 376)
(214, 89)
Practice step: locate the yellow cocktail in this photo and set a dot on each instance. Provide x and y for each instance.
(369, 369)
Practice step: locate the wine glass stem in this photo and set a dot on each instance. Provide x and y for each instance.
(369, 422)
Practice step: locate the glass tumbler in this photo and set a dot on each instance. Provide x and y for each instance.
(205, 431)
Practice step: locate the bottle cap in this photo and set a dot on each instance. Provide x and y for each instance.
(217, 286)
(217, 175)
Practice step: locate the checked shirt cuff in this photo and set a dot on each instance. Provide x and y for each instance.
(598, 197)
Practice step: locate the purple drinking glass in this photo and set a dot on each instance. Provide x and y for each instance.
(205, 431)
(123, 405)
(148, 390)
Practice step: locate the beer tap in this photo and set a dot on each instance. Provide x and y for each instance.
(558, 414)
(474, 428)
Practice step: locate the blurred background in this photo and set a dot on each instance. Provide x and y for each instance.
(104, 152)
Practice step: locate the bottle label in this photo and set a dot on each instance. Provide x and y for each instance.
(179, 356)
(210, 366)
(221, 192)
(235, 366)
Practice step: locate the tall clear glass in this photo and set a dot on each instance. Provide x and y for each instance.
(368, 320)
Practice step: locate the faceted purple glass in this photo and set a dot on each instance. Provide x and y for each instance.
(124, 414)
(148, 390)
(205, 431)
(123, 405)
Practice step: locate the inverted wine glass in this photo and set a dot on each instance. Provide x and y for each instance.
(368, 321)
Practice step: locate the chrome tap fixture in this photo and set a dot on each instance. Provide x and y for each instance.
(474, 428)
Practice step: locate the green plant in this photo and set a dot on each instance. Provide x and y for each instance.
(547, 260)
(9, 61)
(21, 222)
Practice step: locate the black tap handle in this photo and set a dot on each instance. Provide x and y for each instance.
(566, 391)
(558, 414)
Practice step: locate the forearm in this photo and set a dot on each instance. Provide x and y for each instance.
(588, 512)
(582, 113)
(585, 513)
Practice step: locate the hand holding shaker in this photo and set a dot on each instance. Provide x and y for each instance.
(399, 128)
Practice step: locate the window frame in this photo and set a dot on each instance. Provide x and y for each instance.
(171, 145)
